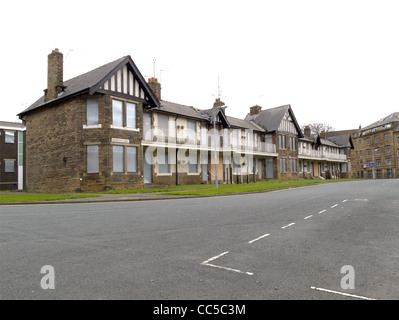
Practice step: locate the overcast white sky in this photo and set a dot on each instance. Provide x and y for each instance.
(333, 61)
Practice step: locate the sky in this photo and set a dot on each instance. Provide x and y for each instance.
(335, 62)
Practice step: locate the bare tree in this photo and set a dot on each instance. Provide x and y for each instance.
(318, 127)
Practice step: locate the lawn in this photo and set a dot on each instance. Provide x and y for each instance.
(250, 187)
(195, 190)
(23, 197)
(209, 189)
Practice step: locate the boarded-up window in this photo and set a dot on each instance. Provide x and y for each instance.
(92, 159)
(131, 159)
(92, 112)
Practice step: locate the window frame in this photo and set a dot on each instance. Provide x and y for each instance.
(92, 105)
(7, 135)
(97, 165)
(8, 161)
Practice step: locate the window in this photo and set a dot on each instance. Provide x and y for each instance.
(163, 164)
(281, 141)
(368, 152)
(92, 159)
(9, 137)
(387, 136)
(117, 113)
(191, 131)
(388, 161)
(368, 141)
(294, 165)
(292, 143)
(235, 137)
(91, 112)
(163, 126)
(283, 165)
(118, 163)
(131, 115)
(131, 159)
(376, 139)
(387, 149)
(377, 151)
(9, 165)
(192, 163)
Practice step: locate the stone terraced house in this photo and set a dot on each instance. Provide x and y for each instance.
(110, 129)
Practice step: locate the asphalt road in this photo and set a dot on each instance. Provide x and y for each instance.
(289, 244)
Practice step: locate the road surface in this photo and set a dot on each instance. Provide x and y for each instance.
(305, 243)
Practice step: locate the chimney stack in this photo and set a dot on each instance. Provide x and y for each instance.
(307, 132)
(218, 103)
(323, 135)
(155, 87)
(55, 77)
(255, 110)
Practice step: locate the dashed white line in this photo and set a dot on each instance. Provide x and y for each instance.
(308, 217)
(322, 211)
(214, 258)
(228, 269)
(335, 205)
(258, 238)
(342, 293)
(345, 200)
(288, 225)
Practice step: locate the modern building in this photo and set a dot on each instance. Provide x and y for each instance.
(376, 153)
(11, 155)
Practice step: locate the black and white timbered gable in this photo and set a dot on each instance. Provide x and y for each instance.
(125, 80)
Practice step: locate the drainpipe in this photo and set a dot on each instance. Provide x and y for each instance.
(177, 163)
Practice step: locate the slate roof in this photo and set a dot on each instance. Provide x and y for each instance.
(11, 125)
(88, 82)
(270, 119)
(79, 84)
(180, 109)
(343, 140)
(235, 122)
(394, 117)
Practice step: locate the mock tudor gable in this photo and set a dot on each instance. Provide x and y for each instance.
(120, 78)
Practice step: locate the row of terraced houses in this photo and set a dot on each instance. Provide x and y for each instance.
(110, 129)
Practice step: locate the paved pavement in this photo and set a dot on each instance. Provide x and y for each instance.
(290, 244)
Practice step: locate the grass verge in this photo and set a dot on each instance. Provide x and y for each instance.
(251, 187)
(23, 197)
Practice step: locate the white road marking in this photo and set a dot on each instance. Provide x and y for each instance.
(288, 225)
(228, 269)
(345, 200)
(322, 211)
(206, 263)
(214, 258)
(261, 237)
(335, 205)
(342, 293)
(308, 217)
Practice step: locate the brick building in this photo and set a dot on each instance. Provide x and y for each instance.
(376, 153)
(110, 129)
(11, 155)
